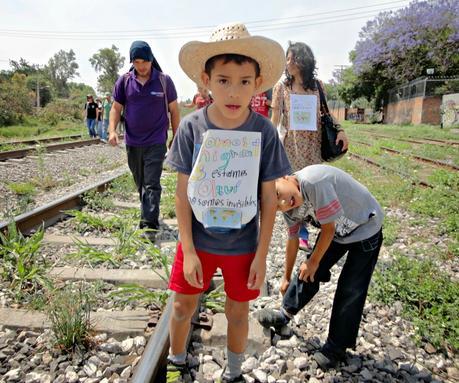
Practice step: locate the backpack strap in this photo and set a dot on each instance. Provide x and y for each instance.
(323, 101)
(162, 80)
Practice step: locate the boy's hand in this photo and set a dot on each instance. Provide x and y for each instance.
(257, 273)
(308, 270)
(192, 270)
(284, 286)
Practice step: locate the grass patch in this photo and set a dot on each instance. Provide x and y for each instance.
(122, 187)
(391, 228)
(98, 201)
(405, 131)
(33, 128)
(430, 299)
(167, 206)
(70, 316)
(22, 265)
(23, 188)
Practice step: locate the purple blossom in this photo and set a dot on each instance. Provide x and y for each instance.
(402, 44)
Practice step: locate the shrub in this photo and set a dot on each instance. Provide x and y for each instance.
(15, 100)
(59, 110)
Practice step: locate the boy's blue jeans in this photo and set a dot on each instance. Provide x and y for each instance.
(351, 291)
(146, 164)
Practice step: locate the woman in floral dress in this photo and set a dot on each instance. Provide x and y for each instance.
(302, 146)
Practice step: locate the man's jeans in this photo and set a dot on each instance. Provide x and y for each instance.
(351, 291)
(91, 124)
(104, 131)
(146, 164)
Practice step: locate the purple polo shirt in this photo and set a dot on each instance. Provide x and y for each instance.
(146, 120)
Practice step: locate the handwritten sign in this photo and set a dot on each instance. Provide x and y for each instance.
(222, 188)
(303, 112)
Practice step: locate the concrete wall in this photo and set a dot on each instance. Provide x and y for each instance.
(450, 107)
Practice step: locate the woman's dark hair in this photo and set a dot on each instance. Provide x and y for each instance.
(304, 59)
(231, 57)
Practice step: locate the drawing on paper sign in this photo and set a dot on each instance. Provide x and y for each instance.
(301, 117)
(303, 112)
(222, 217)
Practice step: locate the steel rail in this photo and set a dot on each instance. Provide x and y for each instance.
(41, 140)
(52, 212)
(20, 153)
(420, 158)
(374, 163)
(429, 141)
(155, 353)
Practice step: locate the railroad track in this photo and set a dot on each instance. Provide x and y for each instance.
(134, 322)
(431, 141)
(388, 168)
(416, 157)
(41, 140)
(20, 153)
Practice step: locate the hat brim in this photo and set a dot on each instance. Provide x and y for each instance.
(268, 53)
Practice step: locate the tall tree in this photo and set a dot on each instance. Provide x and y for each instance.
(107, 62)
(24, 67)
(398, 47)
(61, 68)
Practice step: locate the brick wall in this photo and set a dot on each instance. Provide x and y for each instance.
(418, 110)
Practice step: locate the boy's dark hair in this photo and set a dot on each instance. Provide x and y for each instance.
(304, 59)
(231, 57)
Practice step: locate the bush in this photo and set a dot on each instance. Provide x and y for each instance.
(15, 100)
(60, 110)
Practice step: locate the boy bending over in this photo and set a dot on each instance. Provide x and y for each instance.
(350, 221)
(227, 158)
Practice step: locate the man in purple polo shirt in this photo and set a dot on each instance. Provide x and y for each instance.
(146, 95)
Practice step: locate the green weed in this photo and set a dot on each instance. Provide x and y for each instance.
(21, 263)
(131, 292)
(70, 316)
(23, 189)
(169, 184)
(430, 298)
(123, 186)
(98, 201)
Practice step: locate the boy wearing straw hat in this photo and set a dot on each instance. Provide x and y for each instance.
(227, 158)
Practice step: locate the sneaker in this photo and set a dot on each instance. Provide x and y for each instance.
(329, 357)
(272, 318)
(177, 373)
(238, 379)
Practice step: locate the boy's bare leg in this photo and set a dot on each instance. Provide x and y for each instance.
(179, 325)
(237, 314)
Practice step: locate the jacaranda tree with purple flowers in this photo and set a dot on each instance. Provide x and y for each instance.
(397, 47)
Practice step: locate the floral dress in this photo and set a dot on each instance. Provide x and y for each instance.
(302, 146)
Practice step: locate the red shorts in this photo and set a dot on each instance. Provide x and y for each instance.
(235, 270)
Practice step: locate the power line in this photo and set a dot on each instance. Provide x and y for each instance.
(198, 30)
(166, 35)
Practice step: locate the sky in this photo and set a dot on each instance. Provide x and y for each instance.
(36, 29)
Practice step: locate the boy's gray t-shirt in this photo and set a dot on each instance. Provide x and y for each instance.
(331, 194)
(273, 164)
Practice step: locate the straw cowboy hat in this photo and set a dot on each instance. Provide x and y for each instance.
(234, 38)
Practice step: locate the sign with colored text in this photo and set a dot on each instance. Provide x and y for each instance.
(222, 188)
